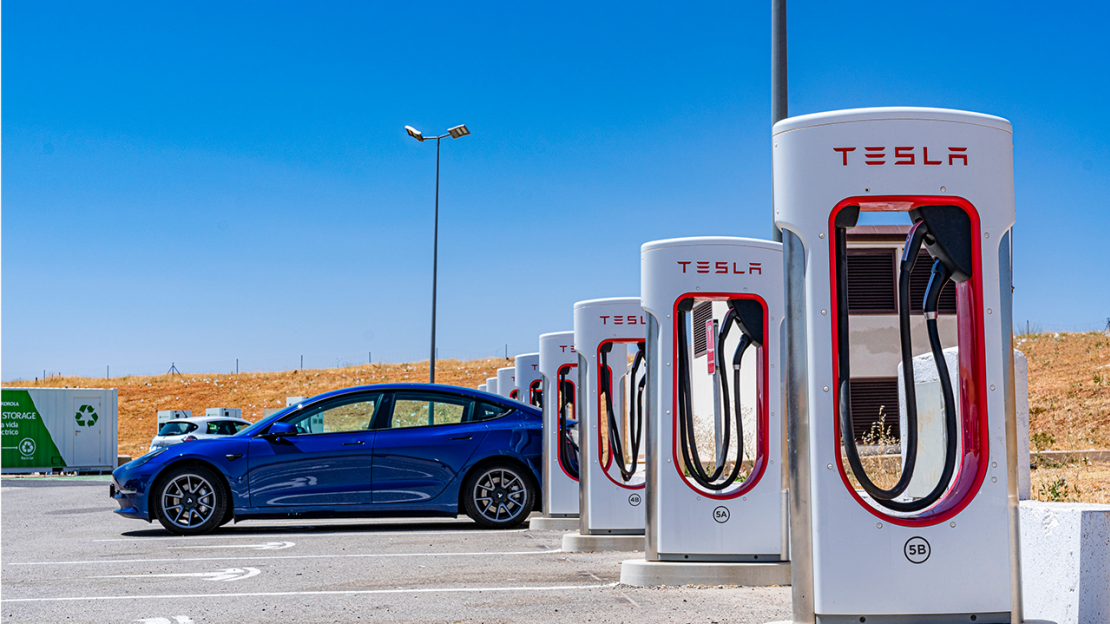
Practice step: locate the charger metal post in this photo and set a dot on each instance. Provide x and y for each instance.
(864, 549)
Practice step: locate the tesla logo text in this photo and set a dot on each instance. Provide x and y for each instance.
(629, 319)
(563, 348)
(535, 366)
(904, 155)
(705, 266)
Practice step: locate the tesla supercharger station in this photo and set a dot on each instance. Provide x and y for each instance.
(491, 385)
(864, 550)
(506, 382)
(482, 387)
(609, 338)
(527, 372)
(714, 306)
(559, 375)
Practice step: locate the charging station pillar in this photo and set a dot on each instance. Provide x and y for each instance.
(528, 383)
(714, 511)
(609, 339)
(558, 368)
(880, 555)
(506, 382)
(491, 385)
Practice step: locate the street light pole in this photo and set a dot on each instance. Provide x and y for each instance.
(779, 108)
(435, 269)
(454, 133)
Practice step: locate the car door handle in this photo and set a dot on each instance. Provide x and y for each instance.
(466, 437)
(352, 443)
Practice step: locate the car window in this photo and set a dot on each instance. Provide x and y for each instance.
(423, 409)
(239, 426)
(222, 427)
(489, 411)
(176, 428)
(352, 413)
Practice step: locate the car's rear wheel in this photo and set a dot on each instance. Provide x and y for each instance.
(189, 500)
(499, 496)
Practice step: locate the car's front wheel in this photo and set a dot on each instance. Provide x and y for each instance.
(499, 496)
(189, 500)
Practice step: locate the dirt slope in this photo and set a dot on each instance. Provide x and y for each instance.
(140, 398)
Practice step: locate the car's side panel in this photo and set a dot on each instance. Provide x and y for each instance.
(517, 436)
(416, 464)
(311, 470)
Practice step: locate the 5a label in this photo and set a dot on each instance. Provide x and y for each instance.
(721, 514)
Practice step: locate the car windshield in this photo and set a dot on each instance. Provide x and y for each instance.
(176, 428)
(254, 427)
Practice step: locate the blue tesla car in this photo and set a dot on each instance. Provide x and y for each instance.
(370, 451)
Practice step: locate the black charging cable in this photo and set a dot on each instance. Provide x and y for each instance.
(636, 417)
(568, 450)
(949, 256)
(687, 442)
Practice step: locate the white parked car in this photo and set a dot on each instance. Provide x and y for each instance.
(181, 430)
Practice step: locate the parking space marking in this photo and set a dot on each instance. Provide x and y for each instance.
(230, 574)
(248, 535)
(356, 592)
(266, 546)
(262, 557)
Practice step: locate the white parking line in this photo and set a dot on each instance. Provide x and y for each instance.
(263, 534)
(262, 557)
(444, 590)
(266, 546)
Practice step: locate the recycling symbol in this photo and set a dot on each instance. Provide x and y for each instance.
(86, 416)
(27, 446)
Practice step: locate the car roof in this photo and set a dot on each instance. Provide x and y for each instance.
(196, 419)
(478, 394)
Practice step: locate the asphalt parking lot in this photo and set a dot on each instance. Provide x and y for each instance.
(67, 558)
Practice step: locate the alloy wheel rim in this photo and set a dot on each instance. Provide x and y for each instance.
(188, 501)
(499, 494)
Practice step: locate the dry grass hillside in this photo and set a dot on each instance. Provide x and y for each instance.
(1069, 375)
(1069, 389)
(140, 398)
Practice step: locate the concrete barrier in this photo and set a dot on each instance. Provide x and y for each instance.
(1065, 557)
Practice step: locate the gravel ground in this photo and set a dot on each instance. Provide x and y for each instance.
(67, 558)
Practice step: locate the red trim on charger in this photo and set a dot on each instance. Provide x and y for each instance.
(759, 466)
(601, 410)
(972, 467)
(559, 454)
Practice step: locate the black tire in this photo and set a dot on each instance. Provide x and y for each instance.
(499, 495)
(189, 500)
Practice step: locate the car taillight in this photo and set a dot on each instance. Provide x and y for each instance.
(188, 438)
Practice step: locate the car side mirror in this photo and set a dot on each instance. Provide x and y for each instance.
(279, 429)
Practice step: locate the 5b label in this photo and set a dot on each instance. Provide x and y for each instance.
(917, 550)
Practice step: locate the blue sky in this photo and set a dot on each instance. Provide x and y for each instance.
(199, 182)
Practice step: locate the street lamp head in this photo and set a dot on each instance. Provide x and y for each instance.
(414, 133)
(458, 131)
